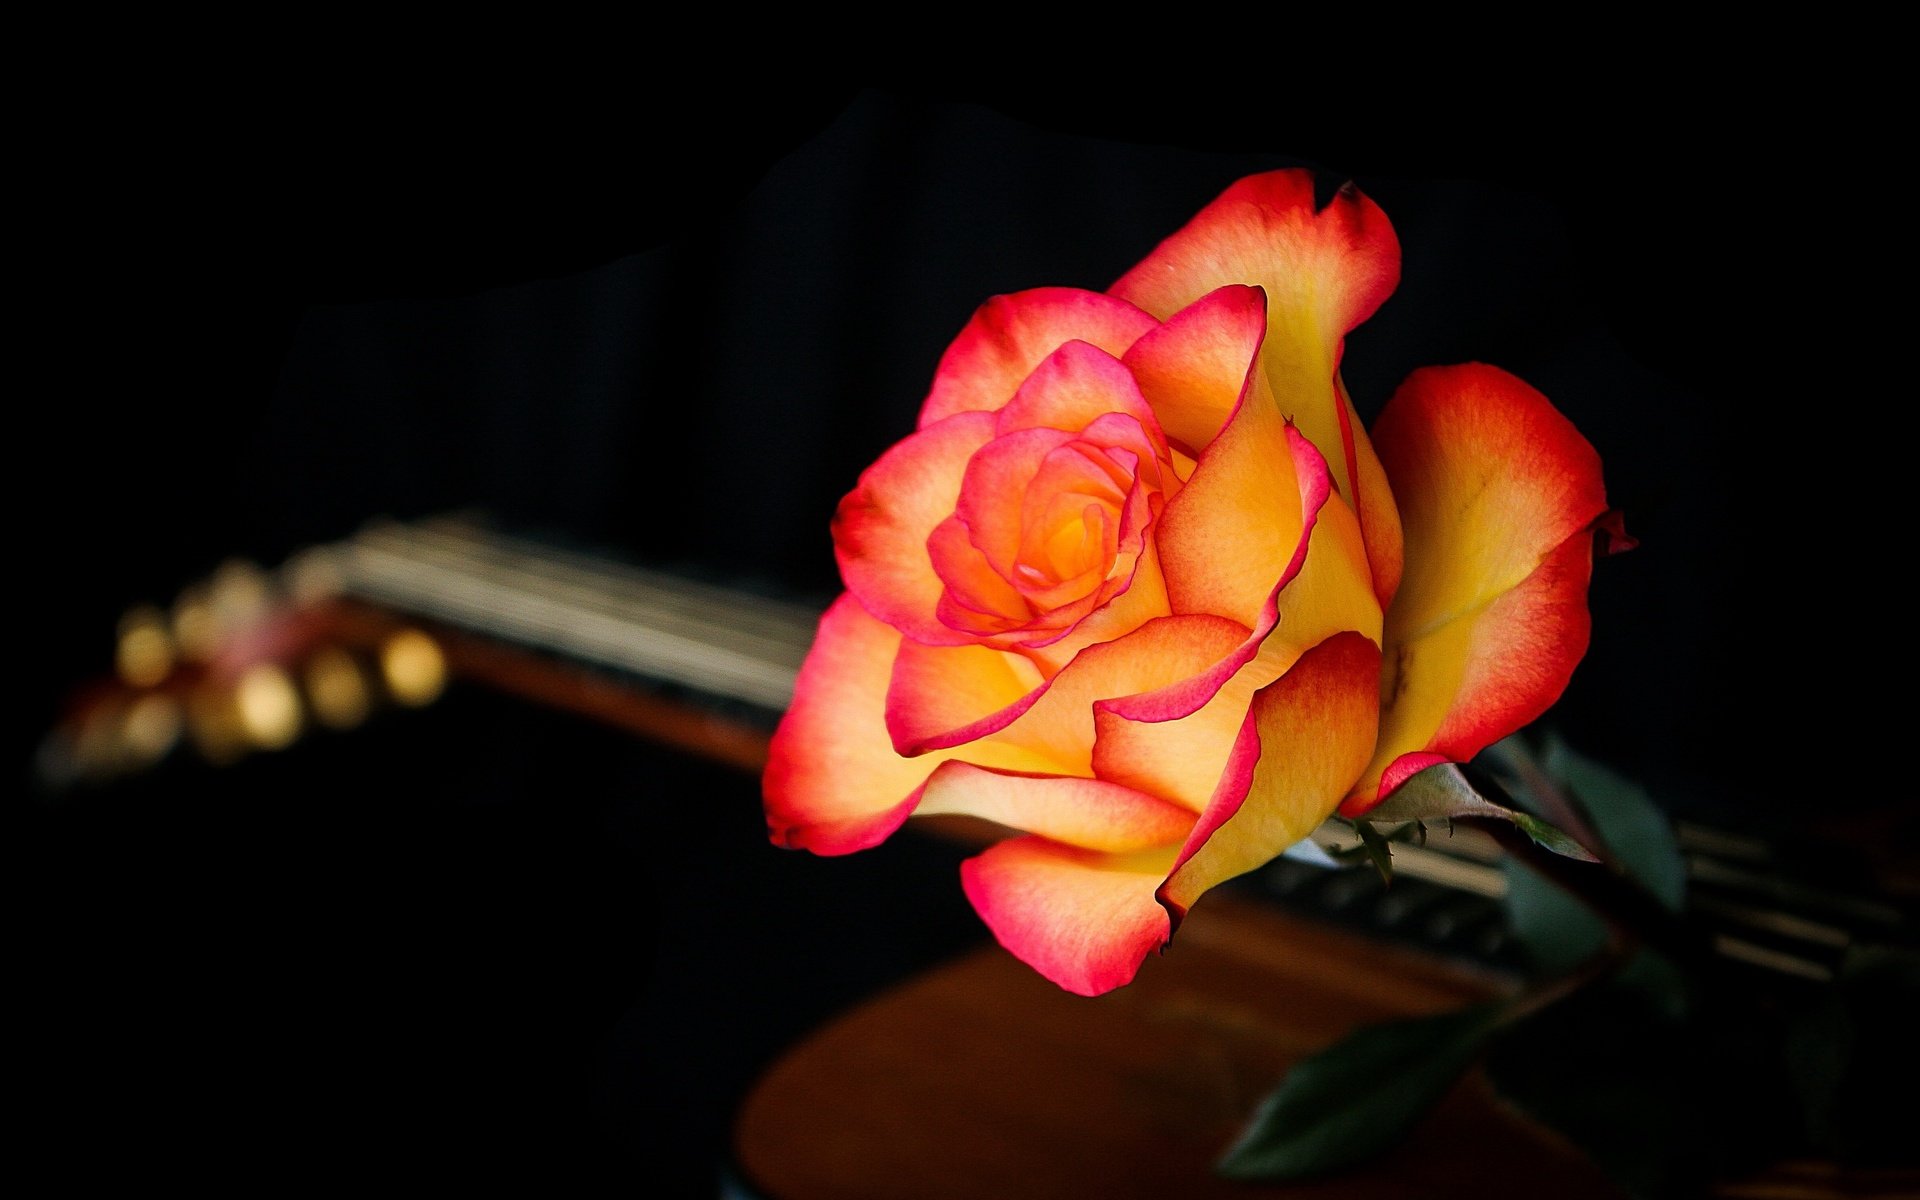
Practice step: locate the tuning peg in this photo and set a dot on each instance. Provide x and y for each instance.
(413, 666)
(195, 632)
(268, 707)
(336, 688)
(150, 728)
(143, 652)
(206, 616)
(241, 594)
(213, 723)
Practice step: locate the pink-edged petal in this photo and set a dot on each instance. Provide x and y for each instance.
(1194, 369)
(1469, 683)
(1297, 576)
(1218, 559)
(1009, 336)
(1153, 743)
(941, 696)
(977, 599)
(993, 487)
(1072, 388)
(1324, 271)
(833, 782)
(1059, 725)
(881, 528)
(1306, 737)
(1142, 598)
(1093, 814)
(1172, 740)
(950, 696)
(1083, 919)
(1499, 496)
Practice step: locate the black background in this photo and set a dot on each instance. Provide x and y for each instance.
(485, 941)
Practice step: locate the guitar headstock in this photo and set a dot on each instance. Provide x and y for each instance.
(247, 661)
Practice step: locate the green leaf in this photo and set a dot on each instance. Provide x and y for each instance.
(1557, 931)
(1443, 791)
(1550, 836)
(1359, 1097)
(1635, 829)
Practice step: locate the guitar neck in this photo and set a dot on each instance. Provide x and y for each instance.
(709, 669)
(724, 644)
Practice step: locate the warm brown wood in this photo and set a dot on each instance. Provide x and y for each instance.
(982, 1079)
(692, 727)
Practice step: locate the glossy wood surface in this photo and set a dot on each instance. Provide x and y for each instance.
(982, 1079)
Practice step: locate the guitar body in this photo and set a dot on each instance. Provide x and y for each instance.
(510, 970)
(979, 1078)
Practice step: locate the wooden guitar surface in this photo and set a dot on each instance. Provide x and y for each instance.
(982, 1079)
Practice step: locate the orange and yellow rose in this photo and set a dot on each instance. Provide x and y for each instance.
(1142, 587)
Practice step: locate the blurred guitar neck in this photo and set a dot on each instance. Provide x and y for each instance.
(245, 662)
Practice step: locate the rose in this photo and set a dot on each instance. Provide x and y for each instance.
(1142, 588)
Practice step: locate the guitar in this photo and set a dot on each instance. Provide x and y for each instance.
(251, 659)
(383, 621)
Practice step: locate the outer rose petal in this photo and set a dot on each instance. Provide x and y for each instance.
(1469, 683)
(1090, 813)
(939, 696)
(833, 782)
(1083, 919)
(1324, 271)
(1009, 335)
(880, 529)
(1498, 493)
(1306, 736)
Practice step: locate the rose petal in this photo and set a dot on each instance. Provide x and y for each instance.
(1083, 919)
(1498, 493)
(1009, 335)
(833, 783)
(1075, 386)
(977, 599)
(1306, 737)
(940, 696)
(1468, 683)
(880, 529)
(1324, 271)
(995, 484)
(1179, 757)
(1143, 598)
(1218, 560)
(1093, 814)
(952, 696)
(1194, 369)
(1163, 652)
(1321, 589)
